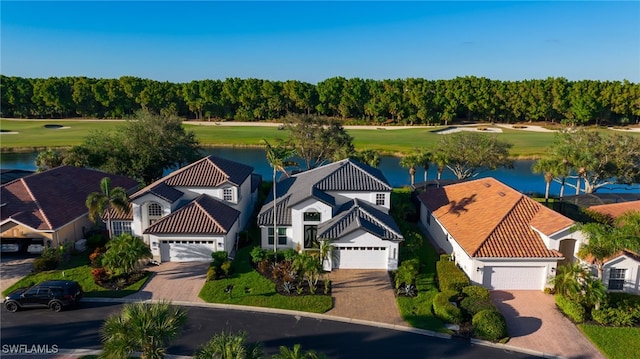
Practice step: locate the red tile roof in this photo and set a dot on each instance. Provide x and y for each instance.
(490, 219)
(615, 210)
(51, 199)
(203, 215)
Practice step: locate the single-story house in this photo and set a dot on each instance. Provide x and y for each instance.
(345, 202)
(621, 272)
(193, 211)
(50, 206)
(499, 237)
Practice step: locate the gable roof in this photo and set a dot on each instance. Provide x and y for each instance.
(51, 199)
(203, 215)
(490, 219)
(346, 175)
(210, 171)
(357, 214)
(615, 210)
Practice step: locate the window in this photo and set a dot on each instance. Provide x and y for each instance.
(227, 194)
(380, 199)
(121, 227)
(616, 278)
(155, 210)
(428, 217)
(312, 216)
(282, 235)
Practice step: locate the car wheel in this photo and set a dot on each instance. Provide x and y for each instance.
(12, 307)
(55, 306)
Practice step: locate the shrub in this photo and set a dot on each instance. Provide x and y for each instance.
(617, 317)
(226, 268)
(258, 254)
(475, 305)
(444, 309)
(289, 254)
(573, 310)
(450, 277)
(407, 272)
(99, 275)
(476, 291)
(212, 274)
(44, 264)
(489, 325)
(96, 257)
(96, 240)
(218, 258)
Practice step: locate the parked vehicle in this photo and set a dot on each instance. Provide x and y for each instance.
(53, 294)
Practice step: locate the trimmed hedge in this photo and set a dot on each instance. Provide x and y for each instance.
(489, 325)
(476, 291)
(44, 264)
(573, 310)
(444, 309)
(450, 277)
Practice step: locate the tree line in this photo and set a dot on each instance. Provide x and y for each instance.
(353, 100)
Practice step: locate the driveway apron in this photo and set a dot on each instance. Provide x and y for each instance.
(535, 323)
(364, 294)
(12, 269)
(175, 282)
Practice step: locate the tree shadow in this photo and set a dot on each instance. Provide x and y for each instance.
(517, 325)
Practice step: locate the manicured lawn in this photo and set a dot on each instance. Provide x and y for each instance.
(79, 270)
(252, 289)
(33, 135)
(614, 343)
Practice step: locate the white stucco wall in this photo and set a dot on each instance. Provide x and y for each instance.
(140, 213)
(370, 197)
(297, 218)
(632, 273)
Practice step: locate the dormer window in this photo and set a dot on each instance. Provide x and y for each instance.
(312, 216)
(227, 194)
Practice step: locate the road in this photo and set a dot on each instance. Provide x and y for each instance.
(79, 328)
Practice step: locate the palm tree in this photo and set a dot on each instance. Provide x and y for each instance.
(123, 254)
(550, 169)
(603, 241)
(277, 156)
(143, 327)
(629, 228)
(99, 202)
(424, 157)
(296, 353)
(594, 292)
(370, 157)
(226, 345)
(410, 162)
(440, 160)
(569, 278)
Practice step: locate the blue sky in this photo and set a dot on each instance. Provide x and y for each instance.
(313, 41)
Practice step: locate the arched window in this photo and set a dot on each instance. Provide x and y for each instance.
(312, 216)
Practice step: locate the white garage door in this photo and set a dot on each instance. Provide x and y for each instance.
(360, 258)
(186, 251)
(513, 278)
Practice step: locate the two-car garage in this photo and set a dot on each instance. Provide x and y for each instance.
(356, 257)
(186, 250)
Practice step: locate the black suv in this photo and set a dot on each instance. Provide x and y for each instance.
(53, 294)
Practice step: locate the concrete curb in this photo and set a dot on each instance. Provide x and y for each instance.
(507, 347)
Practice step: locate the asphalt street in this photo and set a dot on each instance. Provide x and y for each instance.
(80, 328)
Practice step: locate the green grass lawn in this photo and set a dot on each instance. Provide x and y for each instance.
(252, 289)
(33, 135)
(79, 270)
(614, 343)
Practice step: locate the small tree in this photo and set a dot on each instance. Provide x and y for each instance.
(143, 327)
(603, 241)
(227, 345)
(123, 254)
(100, 202)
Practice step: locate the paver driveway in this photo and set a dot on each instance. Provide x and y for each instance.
(364, 294)
(175, 282)
(13, 268)
(535, 323)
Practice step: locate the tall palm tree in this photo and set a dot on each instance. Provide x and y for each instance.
(227, 345)
(410, 162)
(424, 157)
(550, 168)
(143, 327)
(99, 202)
(278, 157)
(440, 160)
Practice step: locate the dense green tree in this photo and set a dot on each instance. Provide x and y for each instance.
(368, 156)
(602, 242)
(318, 140)
(141, 327)
(108, 198)
(48, 159)
(467, 154)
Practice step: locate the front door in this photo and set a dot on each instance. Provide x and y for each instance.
(310, 236)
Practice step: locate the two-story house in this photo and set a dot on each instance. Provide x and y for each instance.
(346, 202)
(193, 211)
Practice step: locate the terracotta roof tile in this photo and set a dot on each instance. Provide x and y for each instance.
(615, 210)
(203, 215)
(51, 199)
(490, 219)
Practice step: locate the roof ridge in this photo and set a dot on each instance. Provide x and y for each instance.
(497, 226)
(358, 165)
(379, 222)
(207, 212)
(226, 175)
(35, 200)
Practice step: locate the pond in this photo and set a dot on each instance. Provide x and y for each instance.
(519, 177)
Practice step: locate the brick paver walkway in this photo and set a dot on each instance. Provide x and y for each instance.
(175, 281)
(365, 295)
